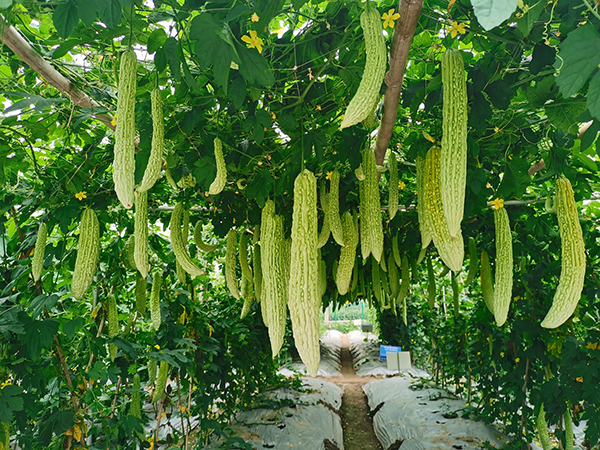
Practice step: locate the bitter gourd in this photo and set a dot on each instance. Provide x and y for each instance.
(152, 171)
(199, 242)
(453, 174)
(371, 228)
(393, 186)
(141, 233)
(504, 266)
(230, 264)
(221, 178)
(37, 263)
(161, 381)
(333, 208)
(347, 254)
(124, 149)
(155, 317)
(140, 295)
(113, 324)
(88, 252)
(303, 296)
(487, 284)
(367, 95)
(572, 272)
(179, 243)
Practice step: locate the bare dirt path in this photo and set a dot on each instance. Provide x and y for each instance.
(356, 421)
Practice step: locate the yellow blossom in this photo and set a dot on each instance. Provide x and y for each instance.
(252, 41)
(497, 203)
(457, 28)
(579, 379)
(310, 74)
(328, 176)
(389, 18)
(591, 346)
(273, 116)
(401, 184)
(502, 354)
(488, 185)
(318, 107)
(113, 122)
(254, 17)
(80, 195)
(517, 360)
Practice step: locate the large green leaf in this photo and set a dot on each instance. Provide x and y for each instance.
(578, 57)
(65, 18)
(593, 96)
(10, 401)
(564, 114)
(491, 13)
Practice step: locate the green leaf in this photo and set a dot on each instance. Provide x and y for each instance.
(109, 12)
(40, 303)
(544, 90)
(88, 12)
(528, 19)
(254, 68)
(491, 13)
(70, 327)
(564, 114)
(593, 96)
(578, 57)
(156, 40)
(500, 93)
(516, 179)
(65, 18)
(39, 335)
(172, 52)
(589, 137)
(237, 92)
(260, 187)
(10, 401)
(5, 4)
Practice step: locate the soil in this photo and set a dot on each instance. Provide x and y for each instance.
(355, 413)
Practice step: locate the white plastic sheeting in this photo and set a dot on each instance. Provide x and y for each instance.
(330, 365)
(421, 417)
(308, 422)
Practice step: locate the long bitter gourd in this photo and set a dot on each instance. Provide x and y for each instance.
(371, 227)
(141, 233)
(347, 254)
(88, 253)
(221, 178)
(393, 186)
(333, 208)
(154, 165)
(124, 150)
(37, 263)
(504, 266)
(230, 264)
(364, 101)
(178, 241)
(303, 296)
(453, 174)
(572, 272)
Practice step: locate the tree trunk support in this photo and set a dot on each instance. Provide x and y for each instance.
(404, 32)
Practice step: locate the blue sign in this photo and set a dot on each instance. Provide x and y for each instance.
(383, 349)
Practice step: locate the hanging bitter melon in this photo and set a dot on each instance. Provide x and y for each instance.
(88, 253)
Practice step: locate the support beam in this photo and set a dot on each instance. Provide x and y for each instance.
(404, 32)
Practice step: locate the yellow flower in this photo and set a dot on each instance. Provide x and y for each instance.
(517, 360)
(579, 379)
(318, 107)
(80, 195)
(254, 17)
(328, 176)
(502, 354)
(389, 18)
(592, 346)
(401, 184)
(113, 122)
(497, 203)
(457, 28)
(252, 41)
(273, 116)
(488, 185)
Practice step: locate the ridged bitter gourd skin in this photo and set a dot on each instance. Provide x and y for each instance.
(333, 208)
(504, 266)
(113, 324)
(124, 150)
(257, 272)
(140, 295)
(451, 249)
(404, 287)
(367, 95)
(347, 254)
(135, 404)
(155, 316)
(199, 242)
(431, 286)
(542, 428)
(303, 297)
(37, 263)
(371, 227)
(161, 381)
(221, 178)
(393, 186)
(393, 276)
(178, 241)
(88, 253)
(572, 272)
(274, 295)
(230, 264)
(326, 228)
(141, 233)
(454, 139)
(243, 257)
(152, 171)
(424, 221)
(487, 283)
